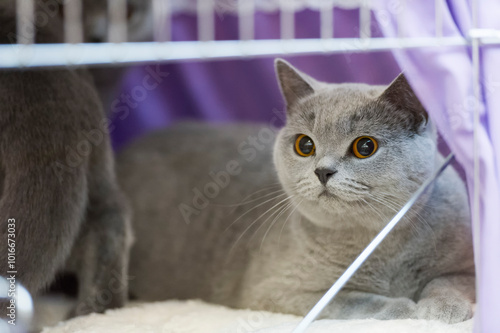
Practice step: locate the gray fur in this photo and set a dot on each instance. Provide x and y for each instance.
(285, 260)
(58, 179)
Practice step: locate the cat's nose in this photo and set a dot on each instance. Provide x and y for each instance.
(324, 174)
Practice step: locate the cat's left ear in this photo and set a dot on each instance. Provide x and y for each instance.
(400, 95)
(294, 84)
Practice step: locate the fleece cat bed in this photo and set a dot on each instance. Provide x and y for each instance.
(200, 317)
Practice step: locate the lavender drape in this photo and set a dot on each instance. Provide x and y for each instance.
(443, 80)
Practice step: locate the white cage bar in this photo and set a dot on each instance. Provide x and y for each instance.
(73, 22)
(206, 21)
(52, 55)
(25, 19)
(162, 16)
(246, 23)
(117, 13)
(287, 20)
(365, 20)
(327, 23)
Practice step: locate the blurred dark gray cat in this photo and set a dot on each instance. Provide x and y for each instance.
(57, 179)
(303, 219)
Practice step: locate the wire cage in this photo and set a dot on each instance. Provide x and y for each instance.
(118, 48)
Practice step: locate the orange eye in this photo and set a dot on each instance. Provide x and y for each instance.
(364, 147)
(304, 146)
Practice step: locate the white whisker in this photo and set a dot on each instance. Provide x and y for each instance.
(284, 203)
(251, 224)
(253, 200)
(253, 208)
(284, 209)
(286, 220)
(417, 215)
(382, 218)
(243, 202)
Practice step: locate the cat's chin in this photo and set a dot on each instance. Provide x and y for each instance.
(328, 195)
(326, 212)
(332, 197)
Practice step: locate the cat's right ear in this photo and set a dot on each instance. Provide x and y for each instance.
(294, 84)
(403, 98)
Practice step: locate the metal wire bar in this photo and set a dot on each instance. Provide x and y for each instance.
(365, 19)
(25, 21)
(206, 20)
(246, 23)
(42, 55)
(326, 19)
(162, 17)
(439, 18)
(287, 20)
(117, 13)
(73, 25)
(342, 280)
(400, 18)
(476, 227)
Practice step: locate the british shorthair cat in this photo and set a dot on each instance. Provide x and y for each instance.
(236, 215)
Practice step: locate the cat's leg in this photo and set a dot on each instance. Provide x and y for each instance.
(41, 211)
(102, 252)
(346, 305)
(449, 299)
(361, 305)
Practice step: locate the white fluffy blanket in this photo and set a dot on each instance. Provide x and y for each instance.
(199, 317)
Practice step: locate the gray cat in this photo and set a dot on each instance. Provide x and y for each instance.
(57, 179)
(220, 215)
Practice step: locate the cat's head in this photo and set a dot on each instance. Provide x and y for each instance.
(346, 148)
(139, 20)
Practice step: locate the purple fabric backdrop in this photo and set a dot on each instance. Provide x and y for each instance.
(243, 90)
(443, 80)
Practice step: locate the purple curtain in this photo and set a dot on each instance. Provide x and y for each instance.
(443, 80)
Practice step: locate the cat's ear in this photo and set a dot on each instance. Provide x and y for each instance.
(400, 95)
(294, 84)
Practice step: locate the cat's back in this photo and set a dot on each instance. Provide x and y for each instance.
(185, 185)
(55, 104)
(195, 166)
(193, 150)
(58, 96)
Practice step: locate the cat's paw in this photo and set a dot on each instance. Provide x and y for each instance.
(448, 309)
(397, 308)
